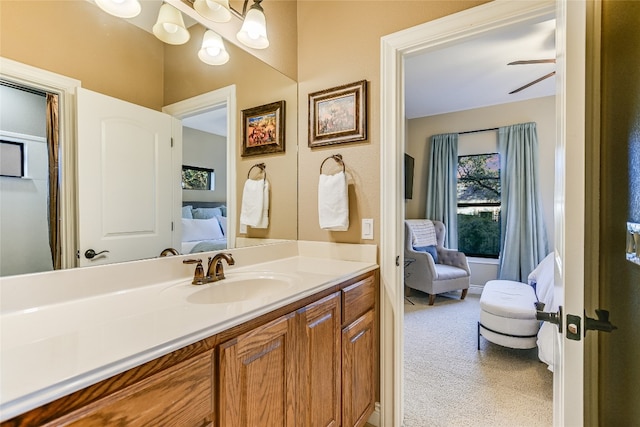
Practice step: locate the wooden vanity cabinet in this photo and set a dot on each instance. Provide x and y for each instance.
(359, 351)
(258, 376)
(310, 363)
(313, 367)
(358, 370)
(180, 395)
(319, 352)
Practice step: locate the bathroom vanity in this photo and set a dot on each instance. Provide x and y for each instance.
(289, 338)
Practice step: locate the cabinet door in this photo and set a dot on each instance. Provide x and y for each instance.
(257, 376)
(319, 357)
(358, 370)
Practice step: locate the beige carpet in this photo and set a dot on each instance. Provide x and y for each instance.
(448, 382)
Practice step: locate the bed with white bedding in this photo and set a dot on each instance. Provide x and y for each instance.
(542, 280)
(204, 227)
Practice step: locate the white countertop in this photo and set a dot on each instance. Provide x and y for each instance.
(52, 350)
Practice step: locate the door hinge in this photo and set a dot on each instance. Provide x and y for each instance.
(171, 225)
(398, 261)
(171, 142)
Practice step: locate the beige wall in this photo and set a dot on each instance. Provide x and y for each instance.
(205, 150)
(339, 43)
(540, 110)
(256, 84)
(124, 62)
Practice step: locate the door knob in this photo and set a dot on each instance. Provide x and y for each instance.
(600, 324)
(545, 316)
(90, 253)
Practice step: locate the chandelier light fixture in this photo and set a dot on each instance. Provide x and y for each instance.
(212, 51)
(213, 10)
(120, 8)
(254, 28)
(170, 27)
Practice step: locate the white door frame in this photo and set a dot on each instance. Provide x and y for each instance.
(434, 35)
(65, 87)
(201, 103)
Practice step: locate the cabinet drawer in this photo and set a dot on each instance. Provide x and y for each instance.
(180, 395)
(358, 298)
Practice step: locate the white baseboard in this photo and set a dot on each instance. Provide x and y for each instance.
(374, 419)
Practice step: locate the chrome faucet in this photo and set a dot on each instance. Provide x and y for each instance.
(169, 251)
(215, 271)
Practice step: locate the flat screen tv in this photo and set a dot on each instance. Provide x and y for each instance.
(408, 176)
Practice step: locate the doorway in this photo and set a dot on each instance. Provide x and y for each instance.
(223, 99)
(570, 186)
(463, 88)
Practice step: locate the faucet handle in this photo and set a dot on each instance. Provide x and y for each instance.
(198, 275)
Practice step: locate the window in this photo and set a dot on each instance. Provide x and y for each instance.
(195, 178)
(479, 205)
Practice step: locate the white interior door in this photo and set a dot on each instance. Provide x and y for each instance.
(569, 211)
(124, 180)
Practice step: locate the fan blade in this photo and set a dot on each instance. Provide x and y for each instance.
(532, 83)
(533, 61)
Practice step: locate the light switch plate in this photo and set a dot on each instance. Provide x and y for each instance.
(367, 228)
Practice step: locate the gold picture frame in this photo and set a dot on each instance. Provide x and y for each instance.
(263, 129)
(338, 115)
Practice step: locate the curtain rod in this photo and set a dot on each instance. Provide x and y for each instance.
(17, 86)
(476, 131)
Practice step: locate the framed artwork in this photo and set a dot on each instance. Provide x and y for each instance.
(338, 115)
(12, 155)
(263, 129)
(196, 178)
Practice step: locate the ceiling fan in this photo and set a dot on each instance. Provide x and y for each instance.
(533, 61)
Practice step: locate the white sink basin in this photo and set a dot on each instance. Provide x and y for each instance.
(242, 287)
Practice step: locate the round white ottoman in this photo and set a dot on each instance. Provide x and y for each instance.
(508, 314)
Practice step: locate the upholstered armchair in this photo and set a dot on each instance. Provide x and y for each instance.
(449, 272)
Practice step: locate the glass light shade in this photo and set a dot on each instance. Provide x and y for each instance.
(170, 26)
(254, 29)
(212, 51)
(120, 8)
(213, 10)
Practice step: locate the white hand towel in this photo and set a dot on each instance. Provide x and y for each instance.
(264, 216)
(333, 202)
(252, 202)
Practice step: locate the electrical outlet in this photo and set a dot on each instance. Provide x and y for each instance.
(367, 228)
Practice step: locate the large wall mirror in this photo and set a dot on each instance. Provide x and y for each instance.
(113, 57)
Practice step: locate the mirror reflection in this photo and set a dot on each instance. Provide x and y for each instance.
(112, 57)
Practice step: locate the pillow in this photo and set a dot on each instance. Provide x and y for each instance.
(223, 224)
(206, 213)
(541, 278)
(186, 212)
(431, 249)
(194, 230)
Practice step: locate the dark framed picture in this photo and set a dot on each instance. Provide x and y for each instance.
(196, 178)
(338, 115)
(263, 129)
